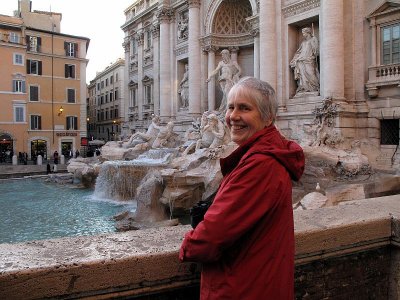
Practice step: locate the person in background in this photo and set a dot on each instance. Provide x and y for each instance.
(246, 239)
(55, 157)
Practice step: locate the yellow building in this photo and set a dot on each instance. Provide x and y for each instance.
(45, 89)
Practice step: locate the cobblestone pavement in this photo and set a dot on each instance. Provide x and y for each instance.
(15, 171)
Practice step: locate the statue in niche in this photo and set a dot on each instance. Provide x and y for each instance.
(145, 137)
(184, 88)
(164, 136)
(229, 72)
(212, 132)
(304, 63)
(183, 28)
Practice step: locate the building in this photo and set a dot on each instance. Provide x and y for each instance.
(107, 107)
(44, 84)
(356, 64)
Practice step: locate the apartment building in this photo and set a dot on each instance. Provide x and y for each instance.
(43, 84)
(107, 108)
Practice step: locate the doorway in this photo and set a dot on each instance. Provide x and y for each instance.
(39, 147)
(66, 148)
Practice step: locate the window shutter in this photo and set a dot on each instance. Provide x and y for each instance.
(27, 40)
(66, 71)
(66, 48)
(23, 87)
(76, 49)
(13, 85)
(40, 122)
(40, 68)
(28, 66)
(32, 122)
(73, 71)
(68, 123)
(75, 123)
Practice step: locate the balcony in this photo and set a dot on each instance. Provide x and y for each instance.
(380, 76)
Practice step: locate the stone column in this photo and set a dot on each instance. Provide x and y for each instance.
(194, 57)
(139, 41)
(332, 49)
(256, 35)
(211, 83)
(268, 44)
(164, 15)
(155, 29)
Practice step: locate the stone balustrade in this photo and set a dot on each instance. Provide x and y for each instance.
(342, 252)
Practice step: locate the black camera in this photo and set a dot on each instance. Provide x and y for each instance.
(198, 211)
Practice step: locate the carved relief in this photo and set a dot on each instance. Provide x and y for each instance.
(300, 7)
(183, 26)
(164, 14)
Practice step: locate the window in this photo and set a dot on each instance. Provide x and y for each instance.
(106, 81)
(98, 86)
(132, 98)
(18, 59)
(72, 123)
(116, 112)
(133, 47)
(106, 96)
(19, 113)
(34, 67)
(111, 79)
(71, 95)
(102, 84)
(71, 49)
(33, 43)
(116, 94)
(19, 86)
(148, 39)
(391, 44)
(390, 132)
(69, 71)
(147, 94)
(116, 77)
(36, 122)
(14, 37)
(111, 96)
(33, 93)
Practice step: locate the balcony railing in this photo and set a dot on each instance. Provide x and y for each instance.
(383, 75)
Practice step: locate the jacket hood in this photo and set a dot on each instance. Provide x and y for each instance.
(269, 142)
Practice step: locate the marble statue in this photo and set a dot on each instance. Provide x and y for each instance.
(183, 28)
(164, 136)
(184, 88)
(212, 134)
(229, 72)
(304, 64)
(145, 137)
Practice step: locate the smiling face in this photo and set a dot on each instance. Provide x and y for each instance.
(243, 116)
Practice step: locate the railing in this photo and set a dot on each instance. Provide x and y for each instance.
(383, 75)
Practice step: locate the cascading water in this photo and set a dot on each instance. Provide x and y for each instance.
(119, 180)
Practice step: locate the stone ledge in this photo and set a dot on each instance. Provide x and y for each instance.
(140, 262)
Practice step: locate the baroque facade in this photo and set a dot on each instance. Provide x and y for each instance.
(42, 84)
(354, 65)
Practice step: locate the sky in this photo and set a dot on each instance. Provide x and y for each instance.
(100, 21)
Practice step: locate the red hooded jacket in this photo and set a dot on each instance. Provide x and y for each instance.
(246, 240)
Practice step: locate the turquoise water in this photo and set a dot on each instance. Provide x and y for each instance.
(31, 209)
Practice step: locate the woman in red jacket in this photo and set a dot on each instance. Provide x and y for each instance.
(246, 240)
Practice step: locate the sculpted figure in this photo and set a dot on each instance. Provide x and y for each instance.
(145, 137)
(184, 88)
(212, 133)
(183, 28)
(304, 63)
(164, 136)
(229, 72)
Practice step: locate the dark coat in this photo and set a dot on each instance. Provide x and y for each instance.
(246, 240)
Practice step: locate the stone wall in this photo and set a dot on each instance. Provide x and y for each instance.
(343, 252)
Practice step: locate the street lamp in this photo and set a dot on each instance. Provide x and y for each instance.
(60, 111)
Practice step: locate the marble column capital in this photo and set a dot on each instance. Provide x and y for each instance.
(194, 3)
(165, 14)
(210, 48)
